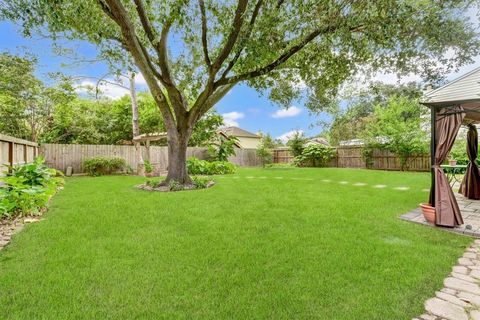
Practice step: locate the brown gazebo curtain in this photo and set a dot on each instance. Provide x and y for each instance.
(447, 124)
(470, 186)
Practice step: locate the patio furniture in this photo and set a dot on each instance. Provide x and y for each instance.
(453, 171)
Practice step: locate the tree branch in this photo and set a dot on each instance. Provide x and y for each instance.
(119, 15)
(232, 37)
(145, 21)
(234, 60)
(284, 57)
(201, 3)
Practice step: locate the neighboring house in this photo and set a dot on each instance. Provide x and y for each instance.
(246, 140)
(317, 141)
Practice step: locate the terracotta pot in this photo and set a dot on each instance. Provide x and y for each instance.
(453, 163)
(428, 212)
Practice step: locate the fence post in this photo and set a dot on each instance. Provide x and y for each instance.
(10, 153)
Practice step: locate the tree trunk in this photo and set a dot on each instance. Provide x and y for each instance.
(133, 98)
(177, 156)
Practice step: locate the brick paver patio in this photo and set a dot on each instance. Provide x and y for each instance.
(470, 212)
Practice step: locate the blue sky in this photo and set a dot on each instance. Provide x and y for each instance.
(243, 106)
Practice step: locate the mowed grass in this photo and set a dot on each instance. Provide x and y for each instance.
(261, 244)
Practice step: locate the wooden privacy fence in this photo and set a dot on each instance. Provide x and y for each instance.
(352, 157)
(282, 155)
(16, 151)
(61, 156)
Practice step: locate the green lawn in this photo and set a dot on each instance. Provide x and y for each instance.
(248, 248)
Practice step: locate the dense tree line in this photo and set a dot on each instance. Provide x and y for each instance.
(351, 121)
(31, 110)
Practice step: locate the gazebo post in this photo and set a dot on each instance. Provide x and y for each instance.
(433, 112)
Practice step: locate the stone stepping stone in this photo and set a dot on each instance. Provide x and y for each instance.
(380, 186)
(402, 188)
(343, 182)
(461, 285)
(445, 309)
(326, 180)
(359, 184)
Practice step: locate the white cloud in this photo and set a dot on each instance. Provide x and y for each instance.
(285, 113)
(140, 80)
(108, 90)
(288, 135)
(230, 118)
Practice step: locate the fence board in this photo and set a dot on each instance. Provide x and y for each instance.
(61, 156)
(16, 151)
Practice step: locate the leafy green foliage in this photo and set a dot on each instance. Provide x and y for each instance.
(98, 166)
(398, 128)
(148, 166)
(352, 121)
(297, 143)
(25, 189)
(265, 150)
(203, 167)
(205, 130)
(222, 150)
(201, 182)
(315, 155)
(459, 149)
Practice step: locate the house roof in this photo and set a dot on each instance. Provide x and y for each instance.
(465, 88)
(238, 132)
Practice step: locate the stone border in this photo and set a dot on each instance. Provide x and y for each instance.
(10, 227)
(459, 299)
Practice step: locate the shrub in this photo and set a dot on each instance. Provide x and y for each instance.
(314, 155)
(148, 166)
(202, 167)
(98, 166)
(201, 183)
(26, 188)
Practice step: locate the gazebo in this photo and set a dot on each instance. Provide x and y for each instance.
(453, 105)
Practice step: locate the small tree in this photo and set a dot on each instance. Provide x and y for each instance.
(226, 148)
(297, 143)
(265, 150)
(398, 128)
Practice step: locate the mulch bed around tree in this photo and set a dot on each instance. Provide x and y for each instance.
(168, 188)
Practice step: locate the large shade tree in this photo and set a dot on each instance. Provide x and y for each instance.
(272, 45)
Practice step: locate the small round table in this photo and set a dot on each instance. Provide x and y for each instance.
(453, 171)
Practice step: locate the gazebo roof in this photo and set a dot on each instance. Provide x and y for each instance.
(462, 90)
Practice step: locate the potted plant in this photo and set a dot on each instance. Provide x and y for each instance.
(452, 162)
(428, 212)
